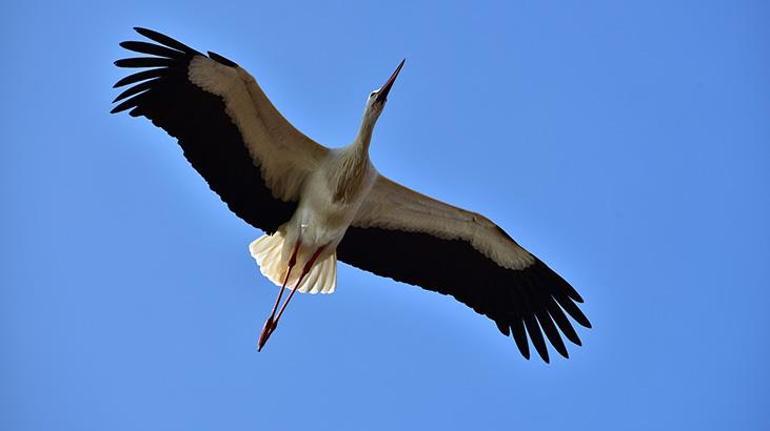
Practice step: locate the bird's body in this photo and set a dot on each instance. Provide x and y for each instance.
(318, 204)
(327, 206)
(331, 198)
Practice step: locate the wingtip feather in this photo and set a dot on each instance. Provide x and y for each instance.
(552, 333)
(165, 40)
(520, 337)
(536, 335)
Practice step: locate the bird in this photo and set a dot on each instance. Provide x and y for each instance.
(317, 205)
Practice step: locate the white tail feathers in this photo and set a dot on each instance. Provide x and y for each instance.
(267, 250)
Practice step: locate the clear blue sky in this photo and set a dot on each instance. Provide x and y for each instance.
(625, 143)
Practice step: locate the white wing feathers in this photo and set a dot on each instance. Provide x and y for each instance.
(392, 206)
(283, 153)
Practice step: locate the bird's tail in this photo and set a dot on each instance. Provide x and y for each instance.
(267, 250)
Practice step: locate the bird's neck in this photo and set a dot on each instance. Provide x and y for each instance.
(357, 154)
(352, 163)
(364, 137)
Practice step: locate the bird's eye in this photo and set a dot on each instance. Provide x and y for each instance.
(372, 95)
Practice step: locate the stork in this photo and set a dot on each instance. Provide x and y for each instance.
(317, 204)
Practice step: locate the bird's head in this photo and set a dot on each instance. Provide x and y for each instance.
(377, 98)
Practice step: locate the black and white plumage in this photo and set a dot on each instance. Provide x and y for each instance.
(325, 204)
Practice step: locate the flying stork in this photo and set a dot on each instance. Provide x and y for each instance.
(317, 204)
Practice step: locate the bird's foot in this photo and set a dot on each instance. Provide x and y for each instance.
(267, 330)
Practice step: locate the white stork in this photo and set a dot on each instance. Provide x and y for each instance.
(318, 204)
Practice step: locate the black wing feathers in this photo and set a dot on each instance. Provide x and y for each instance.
(209, 139)
(140, 76)
(145, 62)
(136, 89)
(150, 48)
(166, 41)
(520, 302)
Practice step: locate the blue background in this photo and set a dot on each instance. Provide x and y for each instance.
(625, 143)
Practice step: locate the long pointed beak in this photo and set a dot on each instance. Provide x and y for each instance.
(382, 96)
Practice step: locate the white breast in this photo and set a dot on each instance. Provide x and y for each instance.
(320, 219)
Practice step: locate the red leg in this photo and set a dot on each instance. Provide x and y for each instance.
(270, 323)
(305, 271)
(292, 262)
(268, 329)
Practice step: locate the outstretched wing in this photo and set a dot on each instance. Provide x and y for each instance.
(410, 237)
(228, 129)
